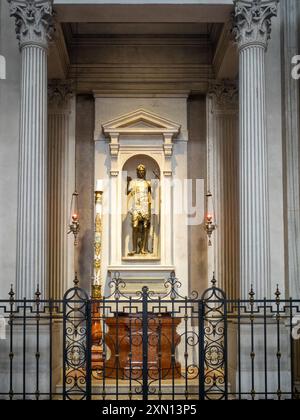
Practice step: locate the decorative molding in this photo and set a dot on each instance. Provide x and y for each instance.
(141, 122)
(252, 21)
(59, 94)
(225, 61)
(34, 21)
(134, 77)
(59, 61)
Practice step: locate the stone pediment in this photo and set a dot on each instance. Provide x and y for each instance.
(140, 122)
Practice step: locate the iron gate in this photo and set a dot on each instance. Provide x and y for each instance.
(196, 329)
(149, 346)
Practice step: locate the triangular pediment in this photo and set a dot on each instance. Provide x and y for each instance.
(140, 121)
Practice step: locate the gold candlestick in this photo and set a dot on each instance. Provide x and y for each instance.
(97, 351)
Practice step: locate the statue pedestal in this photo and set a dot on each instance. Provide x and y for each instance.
(125, 341)
(154, 276)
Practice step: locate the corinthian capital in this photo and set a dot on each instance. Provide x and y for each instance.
(34, 21)
(59, 94)
(225, 93)
(252, 21)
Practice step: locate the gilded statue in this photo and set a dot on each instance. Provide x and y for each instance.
(139, 191)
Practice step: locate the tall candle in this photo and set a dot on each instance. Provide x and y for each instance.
(99, 185)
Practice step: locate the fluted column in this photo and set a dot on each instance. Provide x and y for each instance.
(59, 95)
(222, 165)
(252, 28)
(33, 28)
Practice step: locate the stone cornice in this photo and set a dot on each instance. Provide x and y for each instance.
(252, 21)
(34, 21)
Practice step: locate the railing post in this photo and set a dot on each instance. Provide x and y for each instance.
(201, 349)
(225, 351)
(76, 343)
(145, 342)
(65, 356)
(88, 349)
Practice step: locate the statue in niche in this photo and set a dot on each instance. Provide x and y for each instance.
(139, 190)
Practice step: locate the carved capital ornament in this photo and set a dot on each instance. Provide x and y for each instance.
(252, 21)
(59, 94)
(224, 93)
(34, 21)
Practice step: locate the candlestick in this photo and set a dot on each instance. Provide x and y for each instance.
(97, 351)
(99, 185)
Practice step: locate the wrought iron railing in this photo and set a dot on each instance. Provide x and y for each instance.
(148, 346)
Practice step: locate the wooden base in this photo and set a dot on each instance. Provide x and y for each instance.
(125, 341)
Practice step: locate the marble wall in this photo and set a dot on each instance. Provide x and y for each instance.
(274, 109)
(84, 168)
(197, 168)
(9, 147)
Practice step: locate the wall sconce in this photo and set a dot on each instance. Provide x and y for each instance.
(209, 227)
(74, 226)
(209, 224)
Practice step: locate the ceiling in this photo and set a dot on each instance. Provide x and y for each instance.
(92, 42)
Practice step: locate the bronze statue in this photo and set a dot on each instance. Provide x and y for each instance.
(140, 191)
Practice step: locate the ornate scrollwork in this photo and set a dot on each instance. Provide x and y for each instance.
(252, 21)
(76, 343)
(34, 21)
(214, 338)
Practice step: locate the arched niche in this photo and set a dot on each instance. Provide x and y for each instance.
(130, 137)
(153, 174)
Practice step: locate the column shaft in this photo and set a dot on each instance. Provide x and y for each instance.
(34, 26)
(31, 239)
(254, 219)
(252, 30)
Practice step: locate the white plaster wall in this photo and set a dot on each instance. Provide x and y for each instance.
(9, 139)
(275, 167)
(168, 106)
